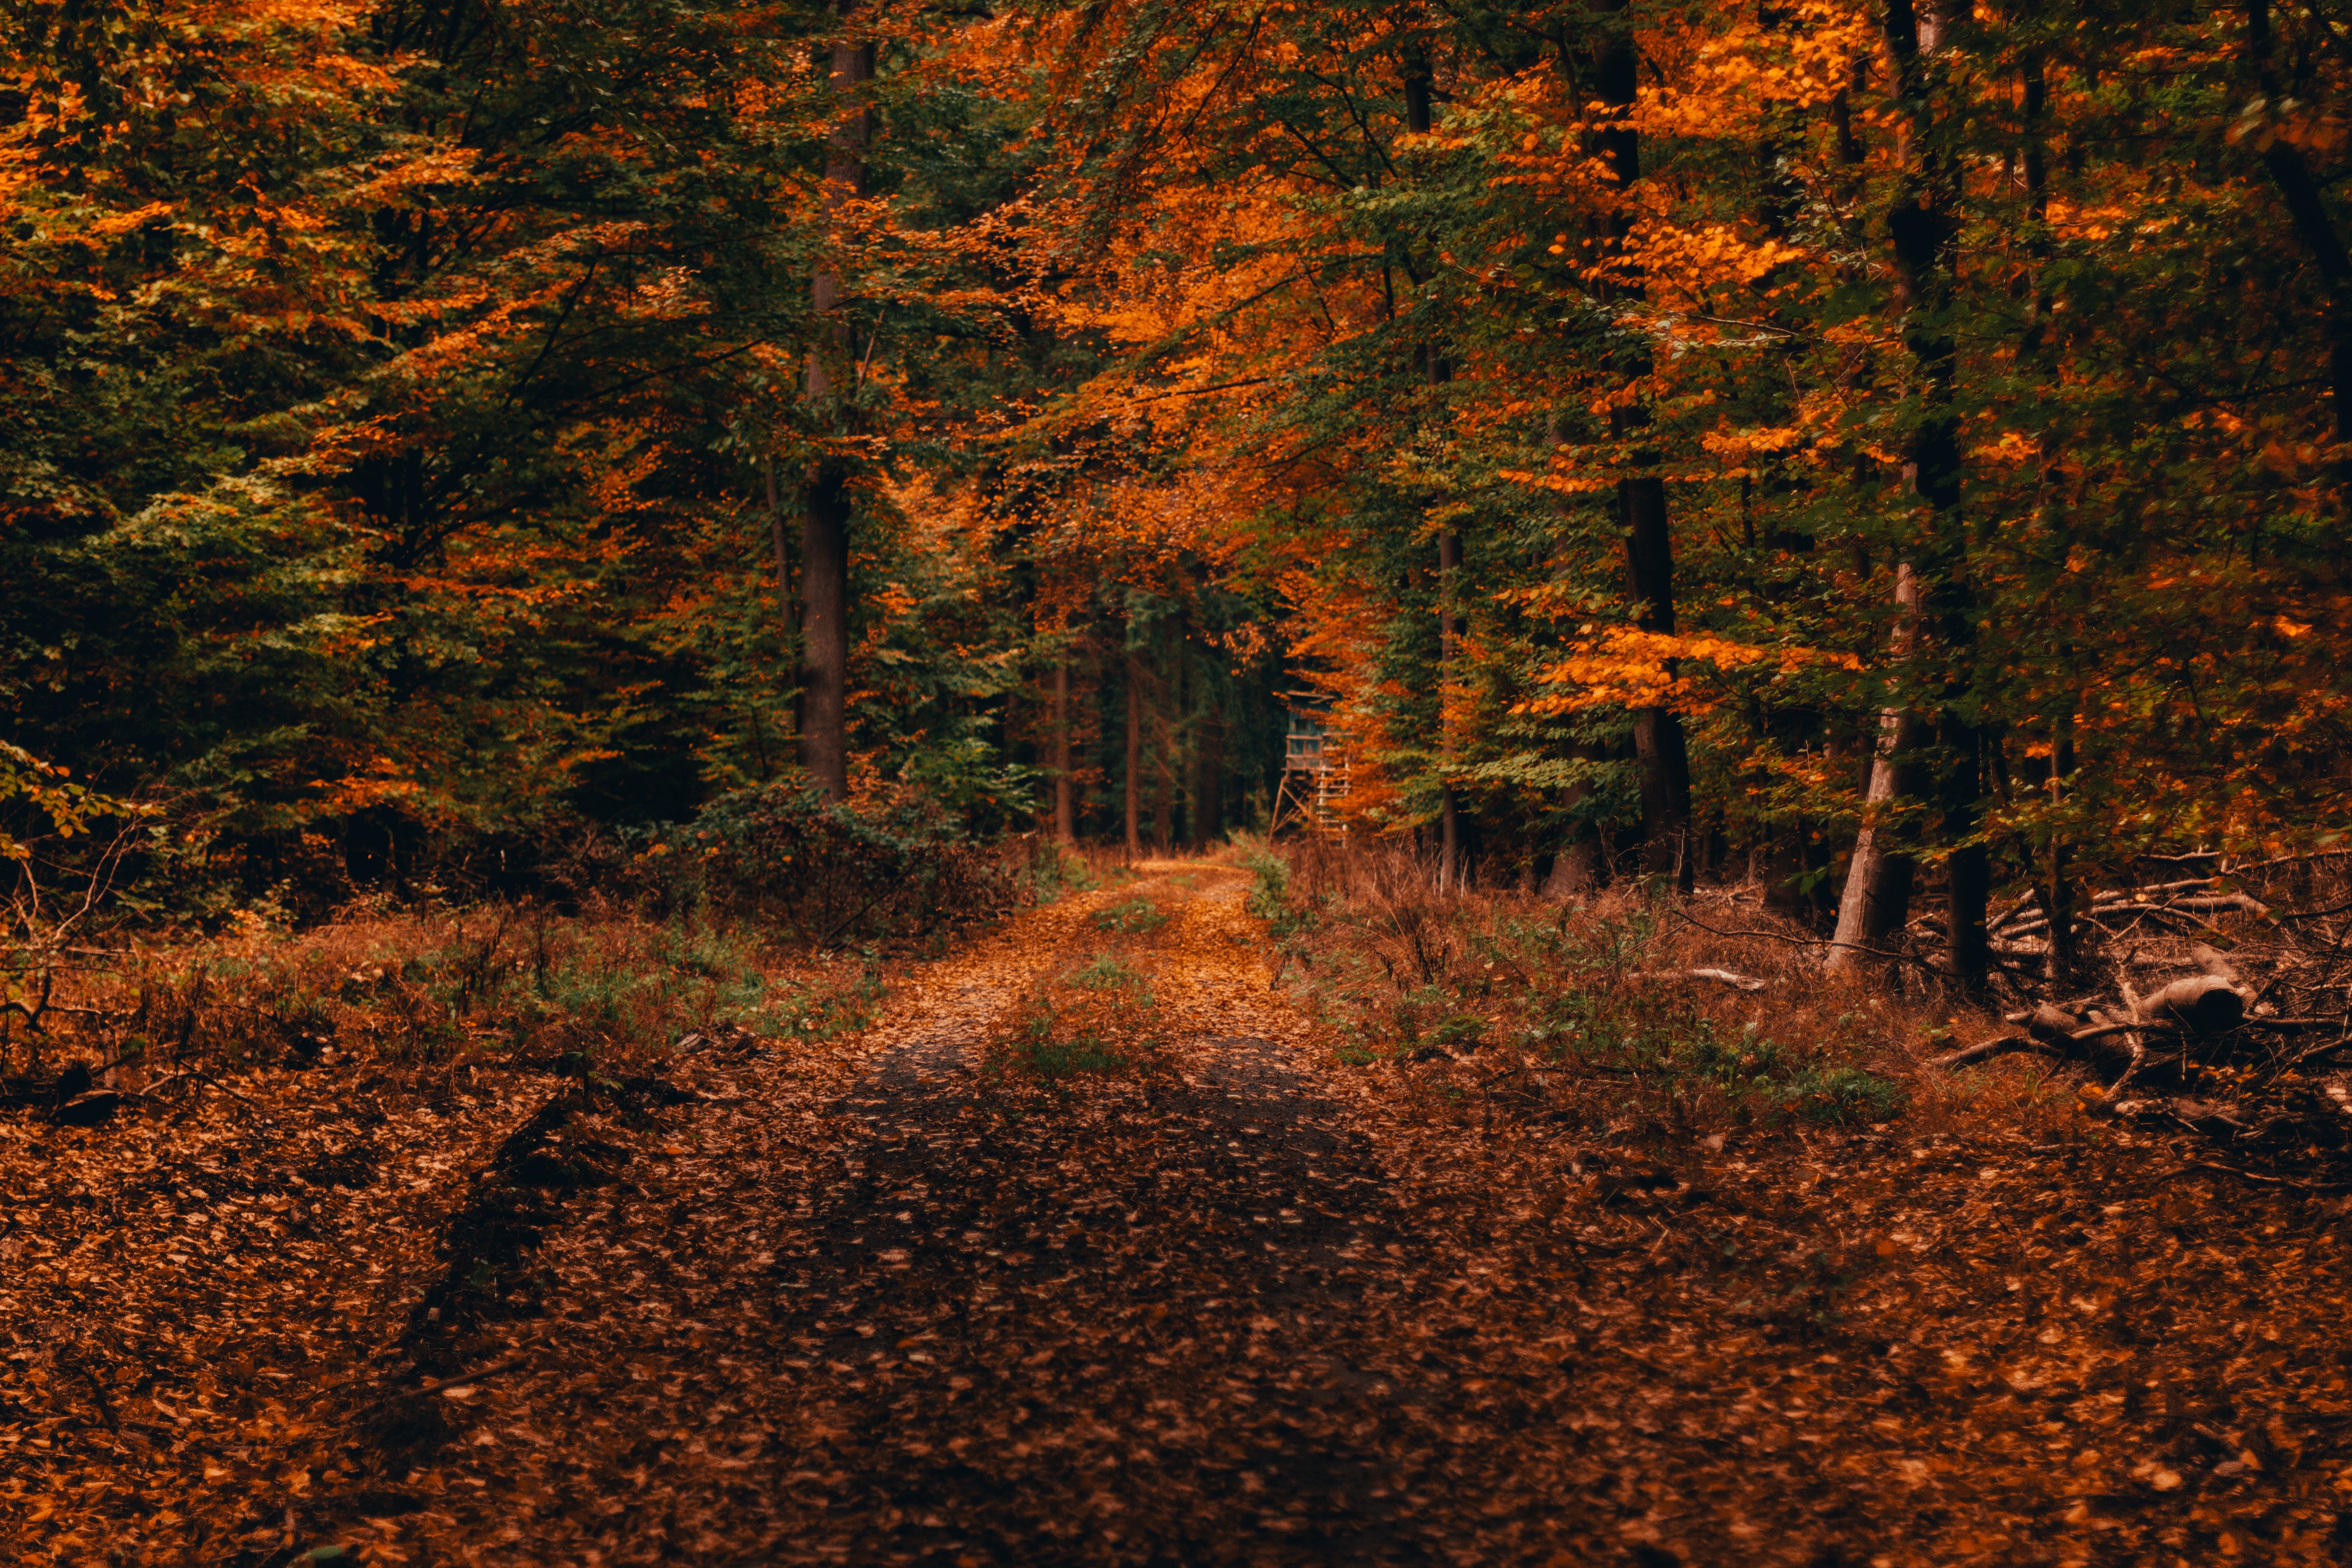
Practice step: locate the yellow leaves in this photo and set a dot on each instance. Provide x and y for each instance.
(2011, 447)
(120, 223)
(1624, 665)
(402, 183)
(1736, 444)
(1693, 258)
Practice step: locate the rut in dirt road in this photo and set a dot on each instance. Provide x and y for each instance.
(1112, 1330)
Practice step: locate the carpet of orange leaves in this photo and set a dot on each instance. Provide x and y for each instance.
(1092, 1250)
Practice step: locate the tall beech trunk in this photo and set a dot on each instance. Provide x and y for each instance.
(1659, 748)
(825, 635)
(2057, 890)
(1420, 91)
(1134, 757)
(1163, 738)
(786, 595)
(1877, 892)
(1065, 786)
(1163, 804)
(1968, 871)
(1924, 233)
(1576, 864)
(825, 524)
(1451, 872)
(1925, 228)
(1208, 791)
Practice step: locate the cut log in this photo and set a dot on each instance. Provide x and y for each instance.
(2202, 1003)
(2051, 1026)
(2213, 963)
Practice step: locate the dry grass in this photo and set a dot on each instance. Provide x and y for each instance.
(1509, 1006)
(265, 1172)
(380, 988)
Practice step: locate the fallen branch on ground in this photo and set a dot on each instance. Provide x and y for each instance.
(1719, 976)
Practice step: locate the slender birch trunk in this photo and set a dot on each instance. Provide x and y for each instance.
(1878, 882)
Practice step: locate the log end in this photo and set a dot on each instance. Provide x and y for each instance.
(2203, 1005)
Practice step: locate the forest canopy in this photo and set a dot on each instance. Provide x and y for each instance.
(1874, 447)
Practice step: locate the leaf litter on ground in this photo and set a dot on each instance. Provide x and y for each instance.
(899, 1296)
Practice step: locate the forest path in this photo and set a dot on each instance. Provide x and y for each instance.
(884, 1306)
(1098, 1325)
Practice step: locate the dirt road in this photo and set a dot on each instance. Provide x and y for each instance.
(971, 1288)
(872, 1309)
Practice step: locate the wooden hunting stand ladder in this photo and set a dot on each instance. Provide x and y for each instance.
(1315, 779)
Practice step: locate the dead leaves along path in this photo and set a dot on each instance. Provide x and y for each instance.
(880, 1312)
(879, 1302)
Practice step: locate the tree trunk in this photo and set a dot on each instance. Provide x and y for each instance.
(1658, 744)
(1419, 96)
(825, 531)
(1163, 736)
(1450, 869)
(1134, 757)
(1659, 748)
(1065, 788)
(1925, 232)
(1209, 794)
(1968, 874)
(1575, 870)
(786, 595)
(824, 635)
(2058, 966)
(2300, 193)
(1878, 881)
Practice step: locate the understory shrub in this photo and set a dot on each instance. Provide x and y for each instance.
(903, 864)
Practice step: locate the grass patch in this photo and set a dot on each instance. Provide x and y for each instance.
(1054, 871)
(1106, 972)
(1131, 916)
(1056, 1060)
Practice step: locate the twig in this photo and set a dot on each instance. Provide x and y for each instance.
(2101, 1031)
(1808, 941)
(2138, 1060)
(98, 1392)
(2004, 1045)
(1999, 1046)
(2280, 1181)
(425, 1390)
(889, 892)
(2315, 914)
(437, 1385)
(2077, 1006)
(204, 1077)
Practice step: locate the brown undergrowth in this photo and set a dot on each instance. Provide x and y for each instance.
(1620, 1013)
(1854, 1308)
